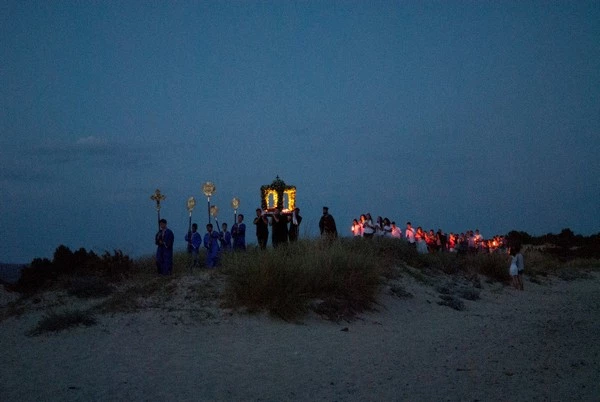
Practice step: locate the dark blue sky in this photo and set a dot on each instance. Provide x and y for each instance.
(458, 115)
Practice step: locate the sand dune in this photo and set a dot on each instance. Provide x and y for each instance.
(541, 344)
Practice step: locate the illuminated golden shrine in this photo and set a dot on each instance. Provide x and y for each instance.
(278, 195)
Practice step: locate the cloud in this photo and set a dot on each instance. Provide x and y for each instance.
(83, 147)
(90, 149)
(91, 142)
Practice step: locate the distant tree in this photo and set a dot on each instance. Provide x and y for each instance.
(35, 275)
(566, 238)
(64, 259)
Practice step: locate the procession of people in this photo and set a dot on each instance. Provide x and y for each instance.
(430, 241)
(284, 227)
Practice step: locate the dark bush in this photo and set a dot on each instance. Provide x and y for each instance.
(64, 260)
(54, 322)
(116, 266)
(89, 287)
(35, 275)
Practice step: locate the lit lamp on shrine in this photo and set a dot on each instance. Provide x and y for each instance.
(208, 189)
(278, 195)
(158, 197)
(235, 204)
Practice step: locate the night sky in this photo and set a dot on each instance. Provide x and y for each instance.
(451, 114)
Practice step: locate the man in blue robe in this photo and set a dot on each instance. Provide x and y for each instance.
(225, 238)
(194, 241)
(238, 234)
(164, 251)
(211, 243)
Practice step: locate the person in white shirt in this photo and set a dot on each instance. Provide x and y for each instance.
(396, 231)
(409, 234)
(387, 228)
(356, 228)
(367, 224)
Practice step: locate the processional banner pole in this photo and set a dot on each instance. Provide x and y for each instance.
(158, 197)
(208, 189)
(235, 204)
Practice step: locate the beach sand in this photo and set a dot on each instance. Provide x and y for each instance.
(540, 344)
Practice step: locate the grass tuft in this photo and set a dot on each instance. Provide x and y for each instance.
(54, 322)
(89, 287)
(452, 302)
(283, 281)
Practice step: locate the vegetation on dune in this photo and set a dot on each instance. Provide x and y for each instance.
(54, 322)
(66, 265)
(284, 280)
(336, 279)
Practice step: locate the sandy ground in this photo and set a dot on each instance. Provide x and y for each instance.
(541, 344)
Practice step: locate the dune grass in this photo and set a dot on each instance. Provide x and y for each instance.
(284, 280)
(54, 322)
(335, 279)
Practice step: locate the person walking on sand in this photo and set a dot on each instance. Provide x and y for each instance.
(513, 269)
(164, 249)
(520, 266)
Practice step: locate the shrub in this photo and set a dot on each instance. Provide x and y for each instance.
(494, 266)
(64, 259)
(452, 302)
(42, 273)
(469, 294)
(283, 281)
(539, 263)
(54, 322)
(448, 263)
(89, 287)
(117, 265)
(35, 275)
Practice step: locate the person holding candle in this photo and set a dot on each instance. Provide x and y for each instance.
(396, 231)
(420, 237)
(410, 233)
(368, 229)
(356, 228)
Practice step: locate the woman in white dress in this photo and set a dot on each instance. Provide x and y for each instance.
(421, 243)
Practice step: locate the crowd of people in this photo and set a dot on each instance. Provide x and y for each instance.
(285, 227)
(428, 241)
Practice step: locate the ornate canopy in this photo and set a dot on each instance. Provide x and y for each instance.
(278, 195)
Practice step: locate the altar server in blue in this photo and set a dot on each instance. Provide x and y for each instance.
(164, 251)
(238, 233)
(211, 243)
(194, 241)
(225, 238)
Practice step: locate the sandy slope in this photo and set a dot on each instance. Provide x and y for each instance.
(541, 344)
